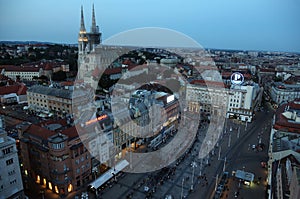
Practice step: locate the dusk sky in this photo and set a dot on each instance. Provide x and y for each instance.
(225, 24)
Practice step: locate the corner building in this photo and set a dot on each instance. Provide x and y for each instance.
(55, 158)
(11, 185)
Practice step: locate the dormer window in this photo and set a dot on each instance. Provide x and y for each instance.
(58, 145)
(57, 141)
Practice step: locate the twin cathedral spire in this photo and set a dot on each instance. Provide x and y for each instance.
(88, 41)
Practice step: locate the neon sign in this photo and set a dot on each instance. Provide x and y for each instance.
(102, 117)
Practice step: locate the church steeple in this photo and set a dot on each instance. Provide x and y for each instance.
(82, 37)
(82, 27)
(94, 27)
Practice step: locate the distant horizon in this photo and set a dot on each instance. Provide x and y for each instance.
(209, 48)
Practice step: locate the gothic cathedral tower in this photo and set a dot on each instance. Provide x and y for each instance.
(82, 37)
(87, 43)
(94, 37)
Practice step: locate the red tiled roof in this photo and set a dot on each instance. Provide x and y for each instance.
(228, 75)
(22, 90)
(134, 67)
(44, 133)
(19, 89)
(47, 122)
(20, 68)
(70, 132)
(48, 66)
(282, 123)
(4, 78)
(127, 62)
(67, 83)
(267, 70)
(208, 83)
(39, 131)
(110, 71)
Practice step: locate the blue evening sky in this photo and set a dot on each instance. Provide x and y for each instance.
(226, 24)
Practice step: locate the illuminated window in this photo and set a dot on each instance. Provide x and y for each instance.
(70, 188)
(50, 185)
(26, 172)
(44, 181)
(38, 179)
(56, 189)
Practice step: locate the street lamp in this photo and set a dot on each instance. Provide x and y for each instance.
(229, 140)
(216, 185)
(224, 166)
(193, 165)
(200, 173)
(182, 188)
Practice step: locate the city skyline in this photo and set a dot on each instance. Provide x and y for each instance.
(251, 25)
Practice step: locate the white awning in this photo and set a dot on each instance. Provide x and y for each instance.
(109, 174)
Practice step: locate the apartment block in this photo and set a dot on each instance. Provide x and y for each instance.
(55, 157)
(11, 185)
(56, 100)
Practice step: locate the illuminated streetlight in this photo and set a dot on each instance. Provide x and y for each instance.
(193, 165)
(182, 188)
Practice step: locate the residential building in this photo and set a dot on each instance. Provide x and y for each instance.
(11, 185)
(295, 183)
(56, 100)
(285, 92)
(285, 178)
(243, 101)
(15, 93)
(212, 97)
(284, 143)
(150, 118)
(209, 97)
(54, 156)
(21, 72)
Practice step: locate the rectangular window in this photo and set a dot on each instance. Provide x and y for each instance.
(11, 172)
(58, 146)
(10, 161)
(7, 150)
(13, 182)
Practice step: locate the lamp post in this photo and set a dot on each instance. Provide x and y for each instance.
(200, 172)
(216, 185)
(224, 166)
(193, 166)
(182, 188)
